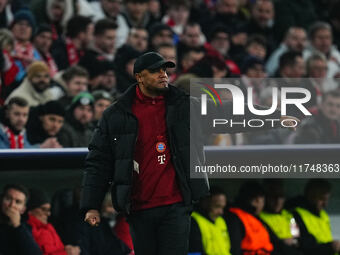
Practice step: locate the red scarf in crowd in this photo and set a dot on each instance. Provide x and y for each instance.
(24, 53)
(51, 64)
(72, 52)
(15, 141)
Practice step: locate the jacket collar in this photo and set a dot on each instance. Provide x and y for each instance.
(126, 100)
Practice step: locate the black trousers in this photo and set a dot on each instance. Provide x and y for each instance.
(161, 230)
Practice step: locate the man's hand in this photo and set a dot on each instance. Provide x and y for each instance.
(290, 122)
(92, 217)
(51, 142)
(72, 250)
(14, 216)
(336, 245)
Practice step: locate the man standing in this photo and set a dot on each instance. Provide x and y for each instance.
(157, 195)
(142, 148)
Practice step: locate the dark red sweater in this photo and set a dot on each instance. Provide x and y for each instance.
(155, 184)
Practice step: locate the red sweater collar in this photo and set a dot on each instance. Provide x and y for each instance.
(146, 99)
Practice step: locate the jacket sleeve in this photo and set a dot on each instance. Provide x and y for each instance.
(195, 238)
(25, 240)
(98, 168)
(308, 243)
(236, 233)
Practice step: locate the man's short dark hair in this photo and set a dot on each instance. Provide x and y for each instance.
(319, 25)
(218, 28)
(17, 187)
(74, 71)
(317, 187)
(190, 24)
(19, 101)
(103, 25)
(77, 25)
(289, 58)
(179, 3)
(258, 39)
(332, 93)
(137, 1)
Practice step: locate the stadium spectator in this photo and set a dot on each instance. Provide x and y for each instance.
(192, 37)
(159, 34)
(136, 13)
(323, 126)
(13, 134)
(208, 231)
(138, 39)
(291, 65)
(313, 220)
(177, 15)
(39, 210)
(36, 87)
(15, 236)
(262, 22)
(24, 53)
(79, 115)
(102, 100)
(104, 40)
(45, 121)
(42, 41)
(112, 9)
(79, 34)
(71, 82)
(295, 40)
(169, 52)
(55, 13)
(321, 39)
(125, 59)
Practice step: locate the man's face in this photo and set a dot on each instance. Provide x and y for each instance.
(163, 36)
(154, 82)
(217, 205)
(257, 50)
(43, 42)
(76, 85)
(295, 71)
(138, 39)
(106, 41)
(322, 40)
(256, 71)
(99, 107)
(57, 11)
(221, 43)
(321, 201)
(169, 54)
(296, 39)
(42, 213)
(263, 12)
(13, 200)
(258, 203)
(275, 203)
(136, 10)
(331, 107)
(109, 80)
(180, 14)
(192, 36)
(83, 114)
(52, 123)
(22, 31)
(318, 69)
(17, 116)
(111, 7)
(227, 7)
(41, 81)
(191, 59)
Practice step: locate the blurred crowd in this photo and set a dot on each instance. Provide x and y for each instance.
(261, 219)
(62, 62)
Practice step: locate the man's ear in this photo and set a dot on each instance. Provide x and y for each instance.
(138, 77)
